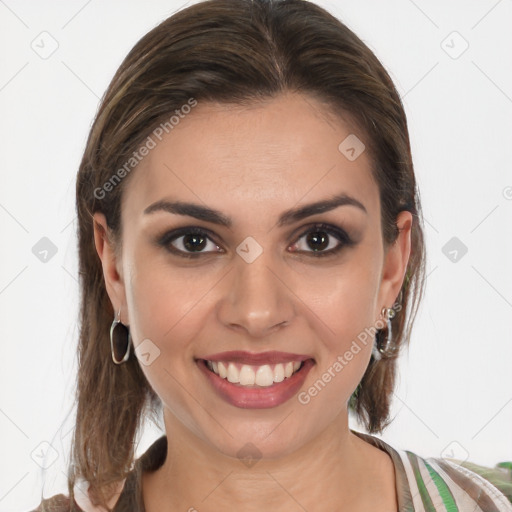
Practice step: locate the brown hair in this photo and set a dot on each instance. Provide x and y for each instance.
(232, 51)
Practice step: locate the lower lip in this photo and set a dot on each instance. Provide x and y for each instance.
(257, 398)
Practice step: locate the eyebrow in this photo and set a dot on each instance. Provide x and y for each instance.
(286, 218)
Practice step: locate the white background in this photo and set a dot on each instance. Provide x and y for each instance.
(455, 390)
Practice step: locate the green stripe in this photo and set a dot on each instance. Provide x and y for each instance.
(425, 496)
(444, 490)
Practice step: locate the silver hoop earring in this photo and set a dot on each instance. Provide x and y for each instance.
(386, 349)
(120, 340)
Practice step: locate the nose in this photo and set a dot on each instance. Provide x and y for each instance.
(258, 300)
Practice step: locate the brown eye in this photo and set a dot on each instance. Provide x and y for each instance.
(322, 240)
(193, 242)
(318, 240)
(189, 242)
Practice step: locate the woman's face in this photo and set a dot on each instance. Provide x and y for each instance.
(246, 280)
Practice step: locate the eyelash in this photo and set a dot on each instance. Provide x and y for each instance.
(339, 234)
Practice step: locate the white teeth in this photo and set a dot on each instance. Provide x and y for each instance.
(223, 372)
(248, 375)
(233, 374)
(264, 376)
(278, 373)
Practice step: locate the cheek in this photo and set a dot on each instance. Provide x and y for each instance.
(164, 301)
(347, 343)
(343, 299)
(341, 308)
(166, 308)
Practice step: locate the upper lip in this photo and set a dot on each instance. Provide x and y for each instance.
(243, 357)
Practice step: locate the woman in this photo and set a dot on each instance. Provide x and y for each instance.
(251, 262)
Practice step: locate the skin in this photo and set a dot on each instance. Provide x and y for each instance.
(252, 164)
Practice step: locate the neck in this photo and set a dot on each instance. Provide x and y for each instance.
(332, 468)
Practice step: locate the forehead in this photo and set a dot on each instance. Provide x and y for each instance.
(271, 153)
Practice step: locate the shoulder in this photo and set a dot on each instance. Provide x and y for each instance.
(127, 496)
(428, 484)
(491, 478)
(460, 483)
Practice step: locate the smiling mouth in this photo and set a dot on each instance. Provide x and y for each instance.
(255, 381)
(246, 375)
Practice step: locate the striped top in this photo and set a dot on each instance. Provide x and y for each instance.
(433, 484)
(422, 485)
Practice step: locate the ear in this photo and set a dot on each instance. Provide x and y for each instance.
(395, 263)
(114, 282)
